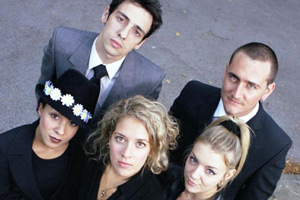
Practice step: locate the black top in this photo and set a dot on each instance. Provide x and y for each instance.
(17, 177)
(50, 173)
(142, 186)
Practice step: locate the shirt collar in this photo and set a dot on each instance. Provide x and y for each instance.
(95, 60)
(220, 111)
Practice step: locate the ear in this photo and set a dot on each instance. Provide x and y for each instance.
(40, 109)
(140, 44)
(268, 92)
(230, 174)
(105, 15)
(225, 72)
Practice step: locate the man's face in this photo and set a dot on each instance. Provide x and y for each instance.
(244, 84)
(123, 31)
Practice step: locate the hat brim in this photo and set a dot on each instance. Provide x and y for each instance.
(62, 109)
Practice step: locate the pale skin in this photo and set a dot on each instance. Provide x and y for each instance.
(129, 150)
(245, 83)
(203, 171)
(123, 31)
(53, 133)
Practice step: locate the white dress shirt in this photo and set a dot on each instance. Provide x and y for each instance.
(112, 70)
(220, 111)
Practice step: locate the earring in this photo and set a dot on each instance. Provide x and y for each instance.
(108, 145)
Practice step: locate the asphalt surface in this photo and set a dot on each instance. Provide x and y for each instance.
(195, 42)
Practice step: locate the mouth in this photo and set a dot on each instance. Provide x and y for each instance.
(124, 164)
(191, 183)
(54, 140)
(115, 44)
(232, 100)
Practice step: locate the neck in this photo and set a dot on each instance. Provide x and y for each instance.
(201, 195)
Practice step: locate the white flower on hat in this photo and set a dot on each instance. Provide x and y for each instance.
(67, 100)
(48, 88)
(55, 94)
(77, 109)
(85, 116)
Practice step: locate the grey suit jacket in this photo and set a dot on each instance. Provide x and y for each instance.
(71, 48)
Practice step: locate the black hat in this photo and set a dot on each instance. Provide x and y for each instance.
(72, 95)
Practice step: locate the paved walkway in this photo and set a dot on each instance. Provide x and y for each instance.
(195, 42)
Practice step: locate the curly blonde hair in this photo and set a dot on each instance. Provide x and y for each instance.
(162, 128)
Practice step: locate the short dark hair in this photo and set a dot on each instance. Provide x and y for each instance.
(152, 6)
(261, 52)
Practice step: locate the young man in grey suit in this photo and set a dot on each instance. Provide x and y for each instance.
(127, 25)
(248, 80)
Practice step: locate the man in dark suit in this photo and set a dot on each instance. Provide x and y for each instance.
(127, 25)
(248, 80)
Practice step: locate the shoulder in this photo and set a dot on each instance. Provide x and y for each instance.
(75, 33)
(143, 63)
(9, 137)
(196, 87)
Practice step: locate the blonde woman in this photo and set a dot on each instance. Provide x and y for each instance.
(215, 159)
(129, 147)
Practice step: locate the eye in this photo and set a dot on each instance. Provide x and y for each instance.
(140, 144)
(251, 86)
(73, 124)
(210, 172)
(119, 139)
(233, 78)
(192, 160)
(121, 19)
(54, 116)
(137, 33)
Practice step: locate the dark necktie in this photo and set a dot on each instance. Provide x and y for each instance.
(99, 72)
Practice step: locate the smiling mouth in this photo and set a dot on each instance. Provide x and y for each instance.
(191, 183)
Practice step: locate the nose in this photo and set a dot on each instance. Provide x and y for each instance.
(197, 173)
(61, 127)
(124, 32)
(238, 91)
(127, 151)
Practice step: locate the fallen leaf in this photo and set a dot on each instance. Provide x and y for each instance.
(177, 34)
(168, 81)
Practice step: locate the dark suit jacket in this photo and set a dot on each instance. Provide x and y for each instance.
(142, 186)
(71, 48)
(17, 179)
(195, 107)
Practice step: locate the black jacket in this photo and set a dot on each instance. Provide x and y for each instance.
(17, 179)
(194, 108)
(142, 186)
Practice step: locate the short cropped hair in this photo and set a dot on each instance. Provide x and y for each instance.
(261, 52)
(162, 128)
(152, 6)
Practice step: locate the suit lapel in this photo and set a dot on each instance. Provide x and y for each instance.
(81, 55)
(125, 79)
(19, 158)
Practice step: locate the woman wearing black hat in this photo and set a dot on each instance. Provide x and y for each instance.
(41, 160)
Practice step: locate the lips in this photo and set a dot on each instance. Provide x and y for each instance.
(124, 164)
(115, 44)
(54, 140)
(191, 183)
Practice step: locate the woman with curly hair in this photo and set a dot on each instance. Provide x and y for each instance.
(130, 145)
(215, 159)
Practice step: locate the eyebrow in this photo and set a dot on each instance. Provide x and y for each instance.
(127, 18)
(198, 161)
(250, 82)
(145, 140)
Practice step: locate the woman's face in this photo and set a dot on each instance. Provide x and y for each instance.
(54, 130)
(204, 169)
(129, 146)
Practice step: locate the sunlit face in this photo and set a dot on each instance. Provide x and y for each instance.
(54, 130)
(203, 170)
(245, 83)
(129, 147)
(123, 31)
